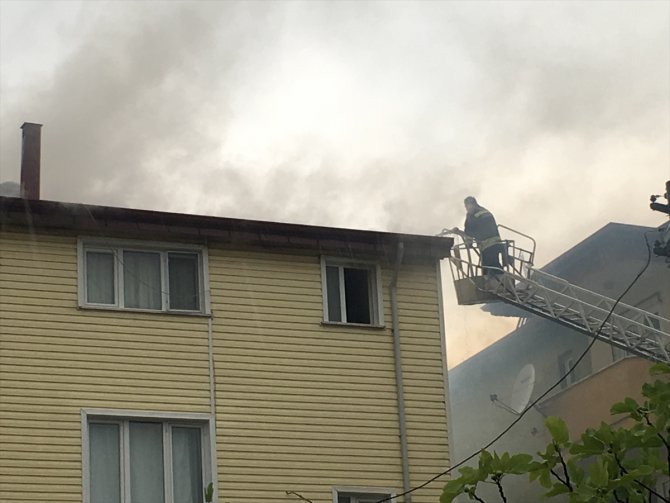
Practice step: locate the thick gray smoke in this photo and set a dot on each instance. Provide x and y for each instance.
(374, 115)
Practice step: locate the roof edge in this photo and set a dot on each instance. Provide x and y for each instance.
(45, 214)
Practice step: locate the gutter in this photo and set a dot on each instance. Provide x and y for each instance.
(212, 409)
(393, 287)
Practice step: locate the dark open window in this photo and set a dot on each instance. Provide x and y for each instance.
(351, 294)
(357, 295)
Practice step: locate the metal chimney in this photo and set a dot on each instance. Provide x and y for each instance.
(30, 160)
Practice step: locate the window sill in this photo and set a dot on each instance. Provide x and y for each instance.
(352, 325)
(143, 311)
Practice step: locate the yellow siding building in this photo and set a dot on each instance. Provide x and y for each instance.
(144, 355)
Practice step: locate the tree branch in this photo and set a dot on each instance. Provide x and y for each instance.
(477, 498)
(288, 493)
(641, 484)
(500, 490)
(553, 472)
(565, 468)
(663, 439)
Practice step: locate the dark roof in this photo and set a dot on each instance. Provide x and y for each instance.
(114, 221)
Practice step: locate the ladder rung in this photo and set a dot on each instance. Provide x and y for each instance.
(581, 309)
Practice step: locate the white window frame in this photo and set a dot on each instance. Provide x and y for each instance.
(566, 360)
(364, 492)
(375, 286)
(117, 247)
(652, 305)
(168, 420)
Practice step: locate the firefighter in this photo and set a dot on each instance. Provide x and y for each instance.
(480, 226)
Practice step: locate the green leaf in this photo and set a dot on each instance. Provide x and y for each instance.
(590, 445)
(598, 473)
(575, 472)
(452, 489)
(519, 464)
(209, 492)
(644, 470)
(557, 489)
(557, 429)
(659, 368)
(485, 462)
(470, 475)
(628, 406)
(545, 479)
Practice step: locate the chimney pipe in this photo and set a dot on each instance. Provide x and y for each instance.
(30, 160)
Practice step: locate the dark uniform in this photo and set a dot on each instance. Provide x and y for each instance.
(481, 225)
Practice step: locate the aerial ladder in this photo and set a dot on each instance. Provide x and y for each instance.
(521, 284)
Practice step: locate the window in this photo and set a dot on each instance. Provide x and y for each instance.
(652, 306)
(348, 495)
(145, 460)
(351, 292)
(566, 361)
(653, 321)
(136, 275)
(618, 353)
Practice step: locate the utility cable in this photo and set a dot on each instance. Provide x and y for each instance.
(543, 395)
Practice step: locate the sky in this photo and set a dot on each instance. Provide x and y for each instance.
(367, 115)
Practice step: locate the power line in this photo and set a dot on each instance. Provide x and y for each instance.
(543, 395)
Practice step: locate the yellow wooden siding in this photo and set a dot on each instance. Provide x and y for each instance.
(56, 359)
(304, 407)
(423, 379)
(301, 406)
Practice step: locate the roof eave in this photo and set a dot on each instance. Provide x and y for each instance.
(115, 221)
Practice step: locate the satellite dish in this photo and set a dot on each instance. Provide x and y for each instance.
(523, 388)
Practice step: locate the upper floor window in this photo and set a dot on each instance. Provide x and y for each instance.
(566, 365)
(351, 292)
(139, 275)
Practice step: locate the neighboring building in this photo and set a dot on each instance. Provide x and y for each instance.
(606, 262)
(145, 354)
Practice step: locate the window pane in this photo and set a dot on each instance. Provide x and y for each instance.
(360, 498)
(142, 279)
(187, 465)
(104, 461)
(357, 294)
(566, 362)
(183, 274)
(99, 277)
(333, 287)
(146, 462)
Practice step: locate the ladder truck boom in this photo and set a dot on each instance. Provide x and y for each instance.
(533, 290)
